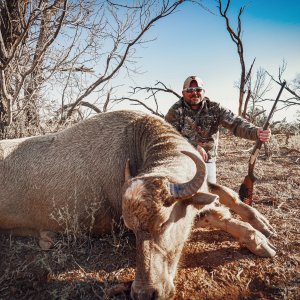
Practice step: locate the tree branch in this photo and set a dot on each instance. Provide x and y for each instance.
(167, 10)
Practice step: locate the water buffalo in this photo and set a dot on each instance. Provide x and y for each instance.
(115, 164)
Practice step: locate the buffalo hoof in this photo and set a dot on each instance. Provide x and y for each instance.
(46, 239)
(259, 245)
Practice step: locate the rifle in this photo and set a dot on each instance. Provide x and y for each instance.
(246, 188)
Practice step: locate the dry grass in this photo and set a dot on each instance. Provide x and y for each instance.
(213, 265)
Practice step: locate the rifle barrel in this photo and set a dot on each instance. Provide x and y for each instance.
(267, 123)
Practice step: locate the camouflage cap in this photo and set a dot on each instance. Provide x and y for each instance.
(188, 81)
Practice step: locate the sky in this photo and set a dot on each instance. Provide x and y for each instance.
(193, 41)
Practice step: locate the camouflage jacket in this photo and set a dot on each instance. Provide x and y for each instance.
(201, 127)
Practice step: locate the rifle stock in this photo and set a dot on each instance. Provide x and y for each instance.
(246, 188)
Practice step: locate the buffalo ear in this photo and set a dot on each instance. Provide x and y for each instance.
(127, 173)
(200, 199)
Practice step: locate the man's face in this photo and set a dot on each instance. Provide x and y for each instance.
(194, 95)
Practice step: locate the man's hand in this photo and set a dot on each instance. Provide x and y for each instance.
(263, 135)
(202, 153)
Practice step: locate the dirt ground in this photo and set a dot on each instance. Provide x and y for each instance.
(213, 265)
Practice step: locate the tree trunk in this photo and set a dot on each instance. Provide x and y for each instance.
(10, 30)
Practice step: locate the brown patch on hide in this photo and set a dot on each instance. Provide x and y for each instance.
(218, 214)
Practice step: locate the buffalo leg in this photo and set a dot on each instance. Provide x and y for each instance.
(248, 213)
(247, 236)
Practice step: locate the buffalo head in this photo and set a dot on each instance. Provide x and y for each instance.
(161, 214)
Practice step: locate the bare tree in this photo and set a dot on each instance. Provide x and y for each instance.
(258, 88)
(122, 44)
(32, 26)
(252, 95)
(10, 36)
(69, 48)
(236, 36)
(153, 92)
(293, 87)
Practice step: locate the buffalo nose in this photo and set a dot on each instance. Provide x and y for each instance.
(149, 295)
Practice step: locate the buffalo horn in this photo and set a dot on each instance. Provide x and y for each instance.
(186, 190)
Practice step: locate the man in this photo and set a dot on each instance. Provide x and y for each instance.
(198, 119)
